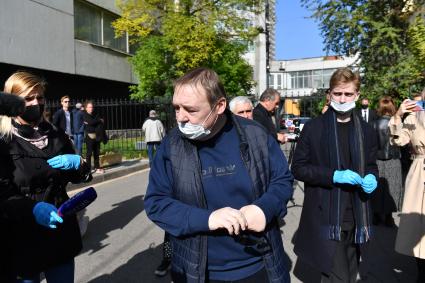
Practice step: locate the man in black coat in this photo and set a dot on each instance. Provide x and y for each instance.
(263, 112)
(63, 117)
(367, 114)
(335, 157)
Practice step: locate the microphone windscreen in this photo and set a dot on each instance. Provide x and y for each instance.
(78, 202)
(11, 105)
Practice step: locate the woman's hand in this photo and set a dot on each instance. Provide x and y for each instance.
(406, 107)
(46, 214)
(65, 161)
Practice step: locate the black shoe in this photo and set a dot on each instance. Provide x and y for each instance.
(163, 268)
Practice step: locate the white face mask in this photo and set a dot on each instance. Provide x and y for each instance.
(195, 131)
(343, 108)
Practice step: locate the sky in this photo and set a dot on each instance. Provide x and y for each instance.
(296, 35)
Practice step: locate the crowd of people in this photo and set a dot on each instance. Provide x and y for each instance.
(219, 182)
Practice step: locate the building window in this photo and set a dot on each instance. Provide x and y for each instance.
(87, 22)
(271, 82)
(93, 24)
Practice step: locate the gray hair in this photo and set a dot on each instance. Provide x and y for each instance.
(238, 100)
(269, 94)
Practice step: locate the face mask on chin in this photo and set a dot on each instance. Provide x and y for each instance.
(343, 108)
(196, 131)
(364, 106)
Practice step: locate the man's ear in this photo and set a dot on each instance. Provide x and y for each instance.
(221, 105)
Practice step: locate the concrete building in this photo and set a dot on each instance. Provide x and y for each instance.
(69, 42)
(262, 52)
(299, 78)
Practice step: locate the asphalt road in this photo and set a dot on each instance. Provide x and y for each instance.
(121, 244)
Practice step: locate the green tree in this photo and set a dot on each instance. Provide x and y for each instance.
(176, 36)
(383, 34)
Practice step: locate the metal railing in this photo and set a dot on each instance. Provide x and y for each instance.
(123, 122)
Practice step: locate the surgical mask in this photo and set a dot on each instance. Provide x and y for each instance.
(195, 131)
(365, 106)
(33, 113)
(343, 108)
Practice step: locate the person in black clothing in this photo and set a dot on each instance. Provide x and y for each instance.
(38, 161)
(367, 114)
(335, 157)
(263, 112)
(92, 123)
(389, 196)
(63, 117)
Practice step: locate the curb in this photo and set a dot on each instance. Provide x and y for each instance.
(116, 172)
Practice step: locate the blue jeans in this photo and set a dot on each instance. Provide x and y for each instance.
(152, 147)
(78, 142)
(62, 273)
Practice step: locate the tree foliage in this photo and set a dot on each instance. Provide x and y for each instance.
(177, 36)
(387, 34)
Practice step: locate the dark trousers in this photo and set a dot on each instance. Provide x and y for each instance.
(93, 148)
(420, 262)
(346, 260)
(152, 148)
(259, 277)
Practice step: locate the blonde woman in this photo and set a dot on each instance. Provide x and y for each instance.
(38, 161)
(410, 237)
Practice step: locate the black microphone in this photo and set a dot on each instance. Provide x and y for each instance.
(11, 105)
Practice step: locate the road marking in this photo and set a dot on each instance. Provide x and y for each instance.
(73, 192)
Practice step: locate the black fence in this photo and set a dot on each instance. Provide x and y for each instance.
(123, 120)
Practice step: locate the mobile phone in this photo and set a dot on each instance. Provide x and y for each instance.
(419, 106)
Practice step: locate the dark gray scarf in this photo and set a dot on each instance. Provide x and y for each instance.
(335, 195)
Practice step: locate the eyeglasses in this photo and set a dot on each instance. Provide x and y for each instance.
(66, 101)
(346, 94)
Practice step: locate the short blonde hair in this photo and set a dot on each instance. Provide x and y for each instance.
(19, 83)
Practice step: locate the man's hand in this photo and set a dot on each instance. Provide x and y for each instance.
(255, 217)
(281, 138)
(347, 177)
(228, 218)
(369, 183)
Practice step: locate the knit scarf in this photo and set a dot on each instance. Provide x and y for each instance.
(335, 195)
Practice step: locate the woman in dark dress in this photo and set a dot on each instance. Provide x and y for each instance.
(37, 162)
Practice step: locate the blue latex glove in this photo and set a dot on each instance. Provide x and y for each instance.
(65, 162)
(347, 177)
(46, 214)
(369, 183)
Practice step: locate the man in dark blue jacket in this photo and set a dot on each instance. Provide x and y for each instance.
(63, 117)
(78, 126)
(218, 184)
(335, 157)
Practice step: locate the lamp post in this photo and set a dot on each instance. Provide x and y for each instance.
(267, 43)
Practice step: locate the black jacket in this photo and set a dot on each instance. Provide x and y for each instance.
(386, 151)
(311, 164)
(27, 178)
(59, 120)
(372, 115)
(262, 116)
(93, 124)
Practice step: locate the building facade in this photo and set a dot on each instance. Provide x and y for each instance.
(69, 42)
(299, 78)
